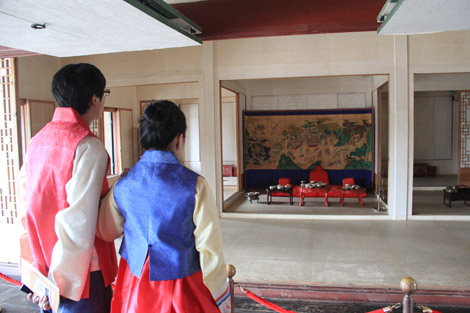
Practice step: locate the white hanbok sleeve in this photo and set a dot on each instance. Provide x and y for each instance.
(209, 245)
(75, 226)
(110, 219)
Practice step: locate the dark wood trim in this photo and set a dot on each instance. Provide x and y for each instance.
(221, 145)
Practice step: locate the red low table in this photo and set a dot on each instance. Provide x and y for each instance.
(356, 193)
(303, 192)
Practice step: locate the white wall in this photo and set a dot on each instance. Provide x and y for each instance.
(35, 77)
(436, 132)
(191, 157)
(311, 92)
(441, 82)
(438, 85)
(229, 133)
(311, 101)
(189, 90)
(304, 56)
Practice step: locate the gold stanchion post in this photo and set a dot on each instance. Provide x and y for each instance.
(408, 285)
(231, 271)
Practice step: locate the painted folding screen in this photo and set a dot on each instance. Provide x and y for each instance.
(334, 139)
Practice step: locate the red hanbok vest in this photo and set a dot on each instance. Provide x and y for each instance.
(50, 158)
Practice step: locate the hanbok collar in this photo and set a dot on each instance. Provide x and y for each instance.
(159, 156)
(62, 114)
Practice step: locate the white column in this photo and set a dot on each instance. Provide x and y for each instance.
(209, 124)
(399, 129)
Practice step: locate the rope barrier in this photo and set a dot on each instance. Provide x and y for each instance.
(264, 302)
(10, 280)
(425, 309)
(275, 307)
(387, 309)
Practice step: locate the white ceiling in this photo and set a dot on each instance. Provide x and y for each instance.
(83, 27)
(427, 16)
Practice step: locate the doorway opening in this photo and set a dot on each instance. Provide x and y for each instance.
(297, 149)
(231, 105)
(438, 142)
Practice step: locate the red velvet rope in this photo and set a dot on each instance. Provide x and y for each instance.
(426, 309)
(377, 311)
(10, 280)
(264, 302)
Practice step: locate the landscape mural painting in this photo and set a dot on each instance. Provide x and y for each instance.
(334, 139)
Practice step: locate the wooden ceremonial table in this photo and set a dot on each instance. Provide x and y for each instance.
(456, 195)
(285, 192)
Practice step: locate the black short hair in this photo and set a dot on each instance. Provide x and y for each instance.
(161, 122)
(75, 84)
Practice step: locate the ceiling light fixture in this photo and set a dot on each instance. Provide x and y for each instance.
(168, 15)
(38, 26)
(386, 10)
(116, 26)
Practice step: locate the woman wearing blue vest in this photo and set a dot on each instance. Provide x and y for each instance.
(171, 253)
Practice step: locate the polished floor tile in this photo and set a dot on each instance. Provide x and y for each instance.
(365, 253)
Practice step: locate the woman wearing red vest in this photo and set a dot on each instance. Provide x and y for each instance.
(63, 178)
(171, 253)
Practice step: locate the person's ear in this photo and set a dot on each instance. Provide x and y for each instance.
(180, 142)
(94, 100)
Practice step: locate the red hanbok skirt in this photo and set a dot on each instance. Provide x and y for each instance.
(184, 295)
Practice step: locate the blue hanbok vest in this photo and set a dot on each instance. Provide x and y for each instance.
(156, 198)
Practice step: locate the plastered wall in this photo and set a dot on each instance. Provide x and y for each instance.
(35, 77)
(365, 53)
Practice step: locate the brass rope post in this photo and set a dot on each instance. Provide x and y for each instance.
(408, 285)
(231, 271)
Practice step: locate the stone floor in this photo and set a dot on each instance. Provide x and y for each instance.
(348, 252)
(12, 300)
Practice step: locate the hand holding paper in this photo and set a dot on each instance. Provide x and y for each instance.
(45, 291)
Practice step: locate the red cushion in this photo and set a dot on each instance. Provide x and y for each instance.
(319, 175)
(284, 181)
(349, 181)
(227, 170)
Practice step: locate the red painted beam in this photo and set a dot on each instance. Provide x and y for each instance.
(226, 19)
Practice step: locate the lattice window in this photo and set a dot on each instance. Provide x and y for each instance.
(465, 129)
(97, 128)
(143, 105)
(8, 145)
